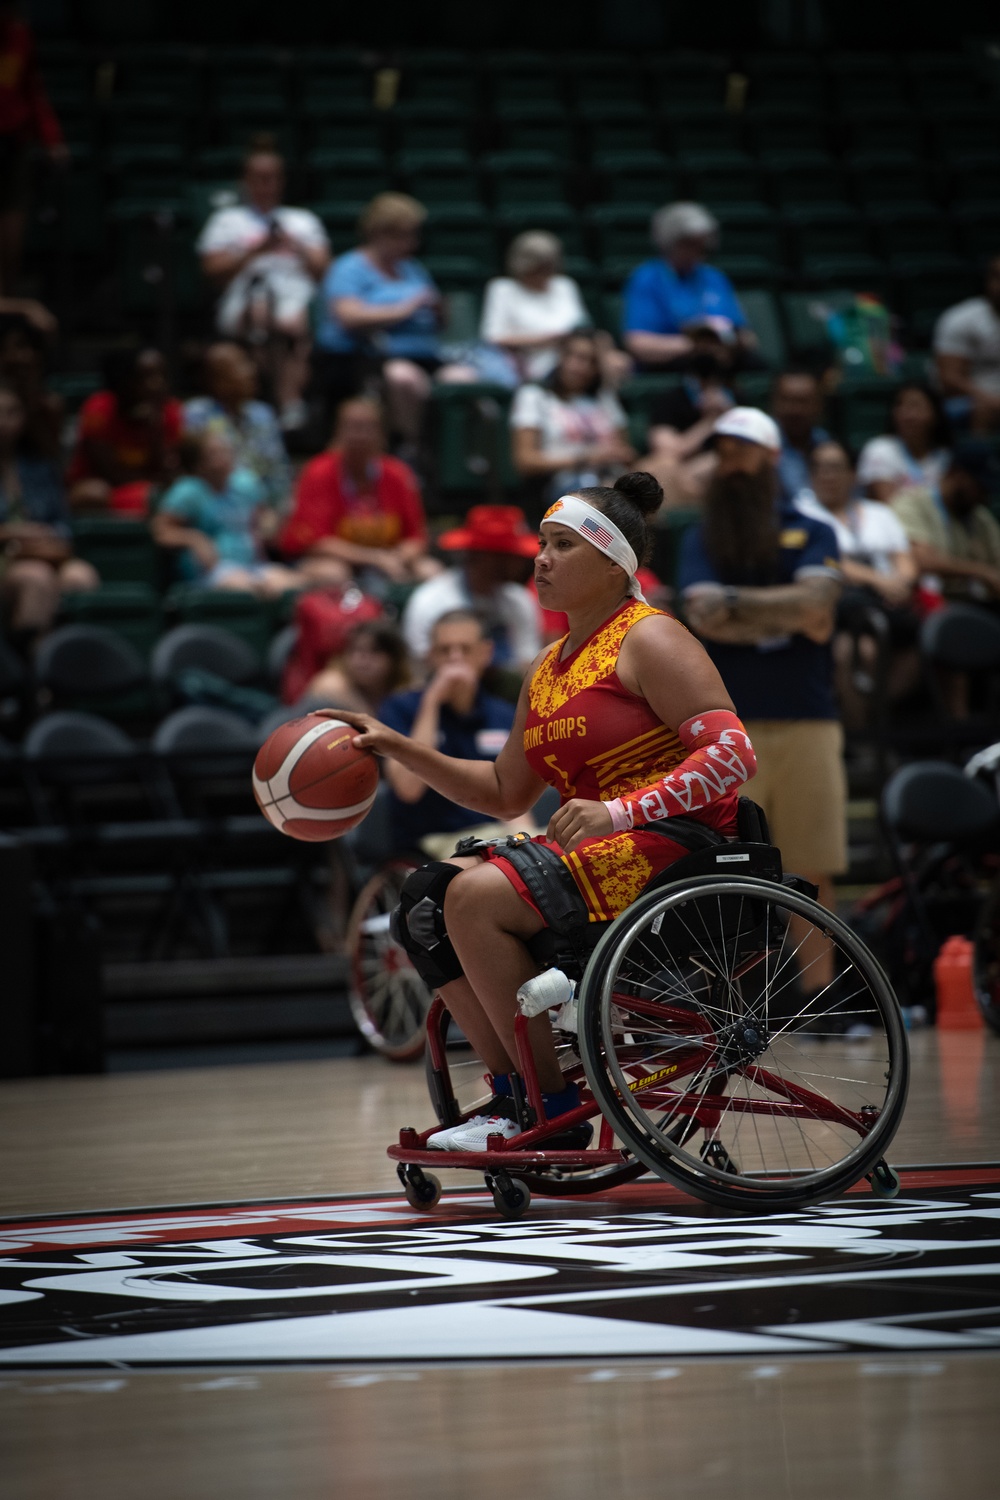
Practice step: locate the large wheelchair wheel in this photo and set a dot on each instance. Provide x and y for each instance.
(389, 1000)
(986, 958)
(713, 1067)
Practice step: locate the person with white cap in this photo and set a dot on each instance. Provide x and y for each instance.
(760, 583)
(678, 291)
(627, 718)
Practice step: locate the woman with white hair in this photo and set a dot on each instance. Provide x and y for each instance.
(528, 312)
(678, 291)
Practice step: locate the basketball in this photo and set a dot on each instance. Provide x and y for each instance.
(310, 781)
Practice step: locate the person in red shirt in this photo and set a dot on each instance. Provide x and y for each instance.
(26, 116)
(356, 508)
(128, 437)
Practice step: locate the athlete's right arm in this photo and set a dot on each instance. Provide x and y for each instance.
(502, 789)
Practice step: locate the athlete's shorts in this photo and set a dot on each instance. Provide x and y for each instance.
(802, 787)
(610, 873)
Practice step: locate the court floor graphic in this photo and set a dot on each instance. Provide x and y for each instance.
(642, 1271)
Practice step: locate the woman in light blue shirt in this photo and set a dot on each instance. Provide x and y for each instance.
(381, 306)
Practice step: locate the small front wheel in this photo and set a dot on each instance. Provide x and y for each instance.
(511, 1196)
(422, 1189)
(884, 1180)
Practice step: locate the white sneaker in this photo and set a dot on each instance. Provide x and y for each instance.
(441, 1139)
(474, 1134)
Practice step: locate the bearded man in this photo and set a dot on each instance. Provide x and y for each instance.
(760, 583)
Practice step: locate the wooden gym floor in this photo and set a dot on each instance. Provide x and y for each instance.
(918, 1426)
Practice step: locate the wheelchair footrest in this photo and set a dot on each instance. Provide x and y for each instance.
(509, 1159)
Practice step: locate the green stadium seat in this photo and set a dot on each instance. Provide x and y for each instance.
(938, 78)
(355, 173)
(862, 271)
(462, 312)
(455, 88)
(635, 176)
(617, 125)
(243, 120)
(203, 198)
(903, 228)
(67, 213)
(689, 78)
(122, 551)
(621, 231)
(460, 185)
(795, 184)
(559, 218)
(152, 121)
(248, 617)
(744, 268)
(724, 182)
(457, 229)
(74, 386)
(880, 127)
(827, 229)
(639, 394)
(777, 78)
(457, 272)
(160, 72)
(471, 439)
(516, 179)
(345, 129)
(433, 159)
(693, 127)
(978, 227)
(762, 314)
(600, 81)
(524, 87)
(320, 85)
(777, 127)
(857, 78)
(969, 126)
(131, 610)
(157, 266)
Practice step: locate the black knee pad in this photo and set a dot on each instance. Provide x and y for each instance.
(418, 924)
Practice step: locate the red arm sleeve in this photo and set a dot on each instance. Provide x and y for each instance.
(315, 513)
(721, 757)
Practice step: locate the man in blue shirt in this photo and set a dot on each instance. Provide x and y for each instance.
(452, 714)
(760, 583)
(677, 291)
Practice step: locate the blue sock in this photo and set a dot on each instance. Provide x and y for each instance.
(558, 1104)
(501, 1086)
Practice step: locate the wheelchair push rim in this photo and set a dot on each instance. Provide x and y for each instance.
(712, 1068)
(389, 1000)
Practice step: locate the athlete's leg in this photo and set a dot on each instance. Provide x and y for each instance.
(488, 924)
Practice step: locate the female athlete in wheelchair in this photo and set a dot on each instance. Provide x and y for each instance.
(656, 889)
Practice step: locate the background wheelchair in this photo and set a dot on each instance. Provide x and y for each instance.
(699, 1056)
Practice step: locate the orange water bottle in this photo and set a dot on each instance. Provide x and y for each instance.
(956, 998)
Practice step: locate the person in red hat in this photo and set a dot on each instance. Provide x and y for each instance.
(491, 550)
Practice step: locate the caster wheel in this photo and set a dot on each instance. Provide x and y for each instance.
(715, 1153)
(511, 1196)
(422, 1189)
(884, 1180)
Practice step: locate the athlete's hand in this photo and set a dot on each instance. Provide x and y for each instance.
(577, 820)
(371, 734)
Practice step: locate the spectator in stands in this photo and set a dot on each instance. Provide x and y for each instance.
(953, 534)
(453, 714)
(356, 508)
(682, 420)
(26, 117)
(914, 452)
(879, 573)
(797, 407)
(760, 583)
(250, 426)
(373, 664)
(24, 348)
(268, 259)
(127, 437)
(493, 546)
(571, 431)
(668, 296)
(529, 312)
(382, 311)
(38, 564)
(967, 346)
(211, 517)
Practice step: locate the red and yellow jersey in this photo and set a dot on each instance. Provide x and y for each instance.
(588, 736)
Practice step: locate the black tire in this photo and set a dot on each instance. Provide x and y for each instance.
(389, 1000)
(692, 1022)
(986, 958)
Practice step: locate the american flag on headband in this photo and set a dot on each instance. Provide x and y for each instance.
(596, 532)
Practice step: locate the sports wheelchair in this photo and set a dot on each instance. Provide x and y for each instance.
(700, 1046)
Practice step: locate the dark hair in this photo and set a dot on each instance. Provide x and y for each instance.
(262, 143)
(940, 432)
(120, 367)
(387, 639)
(634, 497)
(462, 616)
(554, 382)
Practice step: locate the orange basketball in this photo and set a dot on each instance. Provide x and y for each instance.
(311, 782)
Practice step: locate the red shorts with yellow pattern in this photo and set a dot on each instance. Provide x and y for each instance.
(609, 872)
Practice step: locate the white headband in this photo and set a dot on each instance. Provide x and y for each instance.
(595, 527)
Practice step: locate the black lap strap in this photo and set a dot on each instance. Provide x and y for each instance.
(687, 832)
(550, 886)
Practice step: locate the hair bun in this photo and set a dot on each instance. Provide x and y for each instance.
(643, 490)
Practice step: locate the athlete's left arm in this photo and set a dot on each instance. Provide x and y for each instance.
(661, 662)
